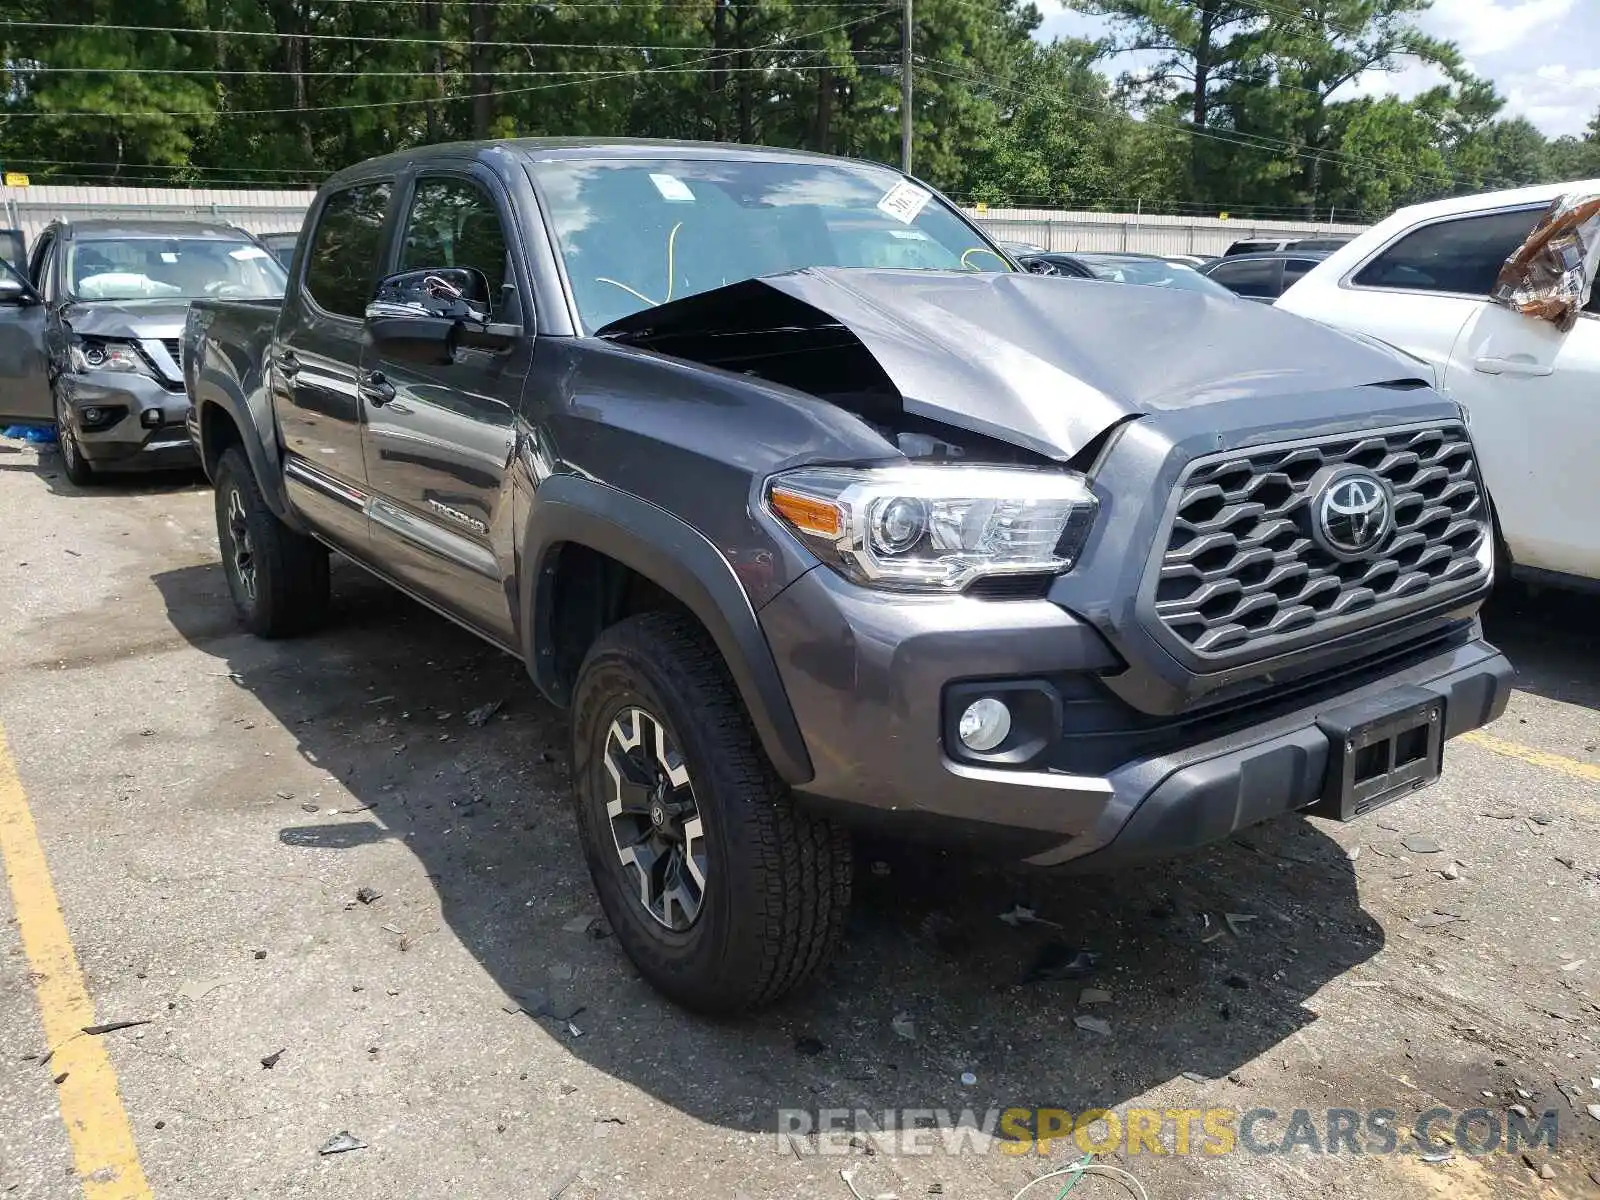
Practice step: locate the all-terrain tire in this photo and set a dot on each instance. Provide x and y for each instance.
(278, 578)
(777, 880)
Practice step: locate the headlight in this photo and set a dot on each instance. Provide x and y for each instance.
(936, 528)
(95, 355)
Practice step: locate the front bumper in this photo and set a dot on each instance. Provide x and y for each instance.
(869, 678)
(145, 430)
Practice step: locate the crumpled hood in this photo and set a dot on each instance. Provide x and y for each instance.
(1044, 362)
(128, 318)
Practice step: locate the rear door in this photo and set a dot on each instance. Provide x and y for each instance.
(440, 436)
(1534, 396)
(316, 356)
(24, 361)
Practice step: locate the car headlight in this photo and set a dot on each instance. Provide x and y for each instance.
(932, 528)
(94, 354)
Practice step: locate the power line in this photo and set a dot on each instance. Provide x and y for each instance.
(774, 48)
(412, 74)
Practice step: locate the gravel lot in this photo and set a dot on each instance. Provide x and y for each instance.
(210, 805)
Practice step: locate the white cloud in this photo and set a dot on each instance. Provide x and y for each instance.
(1557, 98)
(1495, 26)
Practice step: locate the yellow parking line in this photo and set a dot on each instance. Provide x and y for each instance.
(1589, 772)
(102, 1141)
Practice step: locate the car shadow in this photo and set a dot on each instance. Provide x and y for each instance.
(45, 462)
(1551, 637)
(1208, 962)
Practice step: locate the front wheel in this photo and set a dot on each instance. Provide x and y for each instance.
(77, 467)
(278, 578)
(721, 891)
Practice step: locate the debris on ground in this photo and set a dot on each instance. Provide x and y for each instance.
(481, 715)
(1565, 861)
(562, 972)
(848, 1174)
(1453, 871)
(1594, 1111)
(260, 954)
(574, 1030)
(196, 989)
(1420, 843)
(387, 927)
(271, 1060)
(1093, 996)
(113, 1026)
(1093, 1025)
(1195, 1077)
(968, 1079)
(1432, 920)
(904, 1026)
(368, 895)
(1574, 964)
(1058, 960)
(809, 1046)
(1353, 853)
(538, 1003)
(308, 807)
(1235, 920)
(342, 1143)
(1521, 1110)
(1020, 915)
(578, 924)
(599, 930)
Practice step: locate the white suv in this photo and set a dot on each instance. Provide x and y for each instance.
(1420, 281)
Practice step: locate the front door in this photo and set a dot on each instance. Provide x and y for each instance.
(24, 364)
(1533, 394)
(316, 357)
(440, 436)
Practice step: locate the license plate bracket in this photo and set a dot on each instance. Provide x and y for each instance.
(1380, 750)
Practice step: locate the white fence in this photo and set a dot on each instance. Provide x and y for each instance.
(1058, 229)
(30, 209)
(267, 211)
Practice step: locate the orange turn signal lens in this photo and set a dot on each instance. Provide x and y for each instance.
(822, 518)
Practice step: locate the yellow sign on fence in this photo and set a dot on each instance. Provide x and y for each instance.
(16, 179)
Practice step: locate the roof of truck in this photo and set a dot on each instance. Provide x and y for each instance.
(535, 149)
(126, 228)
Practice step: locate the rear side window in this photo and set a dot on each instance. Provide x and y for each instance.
(1249, 276)
(1294, 268)
(342, 260)
(1462, 256)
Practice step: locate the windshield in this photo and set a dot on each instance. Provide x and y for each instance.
(171, 269)
(636, 233)
(1155, 273)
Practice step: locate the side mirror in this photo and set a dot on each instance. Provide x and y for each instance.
(15, 292)
(426, 315)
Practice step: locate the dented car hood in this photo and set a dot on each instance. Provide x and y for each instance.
(1041, 362)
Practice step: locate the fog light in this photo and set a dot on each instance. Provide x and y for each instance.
(984, 725)
(92, 416)
(150, 418)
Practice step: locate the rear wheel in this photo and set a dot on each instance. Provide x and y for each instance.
(278, 578)
(721, 891)
(73, 463)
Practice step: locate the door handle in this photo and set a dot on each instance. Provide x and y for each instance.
(1511, 366)
(375, 389)
(288, 364)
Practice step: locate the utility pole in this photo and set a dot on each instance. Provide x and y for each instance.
(905, 90)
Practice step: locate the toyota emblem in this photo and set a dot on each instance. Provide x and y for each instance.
(1352, 514)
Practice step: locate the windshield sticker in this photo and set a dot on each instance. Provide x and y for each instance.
(904, 201)
(671, 187)
(167, 256)
(244, 253)
(910, 235)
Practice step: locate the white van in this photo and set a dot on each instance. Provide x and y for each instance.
(1420, 281)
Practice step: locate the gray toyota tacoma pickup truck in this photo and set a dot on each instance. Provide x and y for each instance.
(816, 513)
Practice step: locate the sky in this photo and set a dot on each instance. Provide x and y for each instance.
(1543, 55)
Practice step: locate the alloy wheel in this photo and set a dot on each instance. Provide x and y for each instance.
(655, 820)
(242, 550)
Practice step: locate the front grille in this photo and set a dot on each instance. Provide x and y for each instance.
(1241, 573)
(174, 348)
